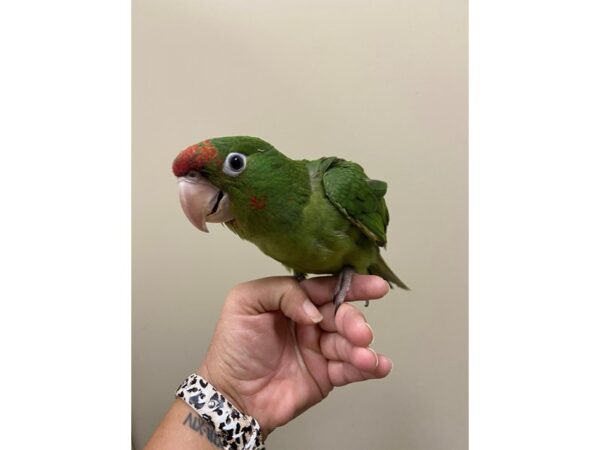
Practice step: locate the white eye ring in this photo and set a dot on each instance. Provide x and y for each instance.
(235, 163)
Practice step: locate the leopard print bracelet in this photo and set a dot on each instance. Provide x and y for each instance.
(236, 430)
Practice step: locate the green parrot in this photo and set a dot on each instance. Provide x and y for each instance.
(321, 217)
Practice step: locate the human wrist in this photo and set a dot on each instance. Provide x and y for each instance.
(183, 429)
(236, 429)
(224, 386)
(227, 387)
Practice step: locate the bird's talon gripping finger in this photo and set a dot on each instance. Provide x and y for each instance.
(345, 279)
(366, 303)
(300, 277)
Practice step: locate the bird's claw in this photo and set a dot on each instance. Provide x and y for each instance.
(300, 277)
(343, 286)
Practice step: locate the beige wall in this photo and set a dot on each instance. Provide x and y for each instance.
(383, 83)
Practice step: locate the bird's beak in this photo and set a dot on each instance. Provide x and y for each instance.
(202, 202)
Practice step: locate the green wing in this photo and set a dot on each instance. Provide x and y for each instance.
(357, 197)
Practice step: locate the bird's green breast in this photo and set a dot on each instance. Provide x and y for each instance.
(291, 220)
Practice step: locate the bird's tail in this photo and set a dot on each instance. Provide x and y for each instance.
(381, 269)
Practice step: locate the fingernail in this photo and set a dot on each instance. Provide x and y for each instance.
(372, 333)
(312, 311)
(376, 357)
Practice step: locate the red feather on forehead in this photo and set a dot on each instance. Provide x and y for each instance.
(194, 158)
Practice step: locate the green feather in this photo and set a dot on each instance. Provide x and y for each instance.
(348, 188)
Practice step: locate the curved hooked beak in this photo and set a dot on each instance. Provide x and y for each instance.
(202, 202)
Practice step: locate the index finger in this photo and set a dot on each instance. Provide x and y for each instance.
(363, 287)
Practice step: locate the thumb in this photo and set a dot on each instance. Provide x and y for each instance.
(274, 294)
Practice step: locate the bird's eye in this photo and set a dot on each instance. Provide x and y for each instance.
(193, 174)
(235, 163)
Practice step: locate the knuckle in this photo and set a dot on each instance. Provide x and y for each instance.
(341, 348)
(238, 290)
(289, 288)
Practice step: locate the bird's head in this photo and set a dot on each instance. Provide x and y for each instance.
(210, 173)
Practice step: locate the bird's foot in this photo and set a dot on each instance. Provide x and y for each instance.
(299, 276)
(343, 285)
(366, 303)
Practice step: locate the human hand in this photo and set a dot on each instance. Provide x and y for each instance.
(274, 354)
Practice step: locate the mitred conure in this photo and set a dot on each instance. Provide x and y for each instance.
(323, 216)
